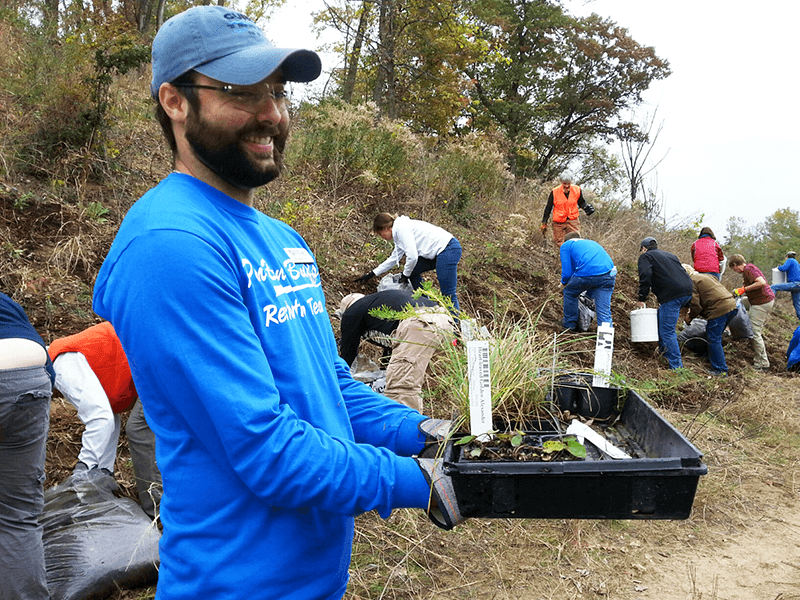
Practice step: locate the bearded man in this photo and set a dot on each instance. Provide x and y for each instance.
(267, 446)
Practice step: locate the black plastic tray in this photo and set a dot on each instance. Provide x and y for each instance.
(658, 482)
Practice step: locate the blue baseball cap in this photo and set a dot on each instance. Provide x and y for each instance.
(225, 45)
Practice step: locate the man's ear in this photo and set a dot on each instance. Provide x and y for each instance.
(175, 104)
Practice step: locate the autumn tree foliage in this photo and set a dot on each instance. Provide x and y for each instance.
(555, 83)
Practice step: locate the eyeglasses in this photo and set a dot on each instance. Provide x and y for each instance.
(249, 99)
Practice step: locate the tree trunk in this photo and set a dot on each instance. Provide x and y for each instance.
(160, 14)
(355, 54)
(384, 93)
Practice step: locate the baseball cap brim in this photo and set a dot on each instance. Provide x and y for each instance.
(256, 63)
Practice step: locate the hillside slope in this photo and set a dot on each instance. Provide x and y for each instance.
(54, 239)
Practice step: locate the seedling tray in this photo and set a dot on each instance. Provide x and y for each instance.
(658, 482)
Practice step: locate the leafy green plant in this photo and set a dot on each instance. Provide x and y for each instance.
(516, 445)
(23, 201)
(96, 212)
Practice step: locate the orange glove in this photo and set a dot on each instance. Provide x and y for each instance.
(543, 228)
(739, 291)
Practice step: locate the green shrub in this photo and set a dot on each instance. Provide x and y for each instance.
(345, 145)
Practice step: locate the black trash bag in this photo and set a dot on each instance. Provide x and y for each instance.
(739, 325)
(693, 337)
(586, 313)
(94, 542)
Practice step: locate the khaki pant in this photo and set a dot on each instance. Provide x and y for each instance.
(415, 341)
(562, 229)
(758, 316)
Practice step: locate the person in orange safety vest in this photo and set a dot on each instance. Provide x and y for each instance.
(92, 372)
(564, 202)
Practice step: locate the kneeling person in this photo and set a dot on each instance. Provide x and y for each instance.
(413, 341)
(713, 302)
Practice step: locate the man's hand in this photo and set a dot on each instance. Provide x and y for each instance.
(588, 209)
(435, 432)
(544, 228)
(641, 304)
(443, 507)
(403, 279)
(739, 291)
(364, 277)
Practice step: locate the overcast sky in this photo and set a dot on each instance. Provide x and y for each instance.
(730, 109)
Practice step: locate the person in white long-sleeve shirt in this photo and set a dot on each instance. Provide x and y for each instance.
(425, 246)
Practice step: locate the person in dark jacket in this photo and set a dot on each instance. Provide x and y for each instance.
(713, 302)
(662, 273)
(26, 387)
(412, 341)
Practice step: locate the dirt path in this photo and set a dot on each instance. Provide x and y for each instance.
(743, 541)
(760, 561)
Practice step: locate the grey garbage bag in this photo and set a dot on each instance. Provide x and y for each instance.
(739, 325)
(693, 337)
(391, 282)
(586, 312)
(95, 542)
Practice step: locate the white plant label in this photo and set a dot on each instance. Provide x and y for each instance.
(603, 351)
(480, 388)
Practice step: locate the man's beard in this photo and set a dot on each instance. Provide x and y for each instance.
(219, 150)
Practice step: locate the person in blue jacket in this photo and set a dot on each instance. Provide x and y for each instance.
(26, 387)
(792, 269)
(267, 446)
(586, 266)
(793, 352)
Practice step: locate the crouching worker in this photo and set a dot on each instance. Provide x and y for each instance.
(92, 372)
(412, 341)
(586, 266)
(713, 302)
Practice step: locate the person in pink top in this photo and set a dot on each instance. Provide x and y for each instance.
(707, 254)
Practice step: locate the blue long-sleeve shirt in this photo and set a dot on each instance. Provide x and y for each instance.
(583, 258)
(266, 445)
(792, 268)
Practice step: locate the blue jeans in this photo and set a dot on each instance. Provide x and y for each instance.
(24, 421)
(598, 287)
(794, 288)
(446, 266)
(714, 329)
(668, 314)
(718, 275)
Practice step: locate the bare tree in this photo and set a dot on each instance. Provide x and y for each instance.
(636, 144)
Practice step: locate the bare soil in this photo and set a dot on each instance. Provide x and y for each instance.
(741, 542)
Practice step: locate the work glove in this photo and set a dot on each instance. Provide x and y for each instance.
(543, 227)
(443, 507)
(402, 280)
(365, 277)
(435, 432)
(588, 209)
(739, 291)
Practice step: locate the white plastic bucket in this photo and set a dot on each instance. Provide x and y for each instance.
(644, 325)
(778, 276)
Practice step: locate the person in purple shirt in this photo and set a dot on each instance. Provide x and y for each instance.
(760, 299)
